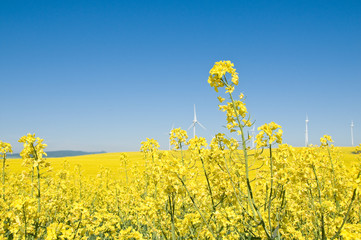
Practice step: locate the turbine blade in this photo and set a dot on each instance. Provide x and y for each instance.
(190, 126)
(170, 131)
(201, 125)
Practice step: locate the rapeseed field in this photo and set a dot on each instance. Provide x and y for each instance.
(200, 190)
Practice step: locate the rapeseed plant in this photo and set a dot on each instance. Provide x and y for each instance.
(5, 148)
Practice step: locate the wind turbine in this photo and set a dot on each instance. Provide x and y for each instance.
(352, 133)
(306, 132)
(195, 122)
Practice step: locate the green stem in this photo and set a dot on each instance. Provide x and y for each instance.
(238, 197)
(38, 176)
(346, 216)
(271, 189)
(323, 237)
(32, 181)
(208, 184)
(197, 208)
(316, 232)
(171, 211)
(333, 179)
(245, 153)
(39, 206)
(25, 223)
(180, 146)
(77, 228)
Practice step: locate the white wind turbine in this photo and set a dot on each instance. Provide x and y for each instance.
(352, 133)
(306, 132)
(195, 122)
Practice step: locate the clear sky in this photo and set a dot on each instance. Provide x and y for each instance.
(105, 75)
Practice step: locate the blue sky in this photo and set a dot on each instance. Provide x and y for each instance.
(105, 75)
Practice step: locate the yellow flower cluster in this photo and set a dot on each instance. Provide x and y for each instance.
(234, 111)
(124, 158)
(358, 149)
(178, 137)
(149, 146)
(325, 140)
(197, 143)
(5, 148)
(33, 150)
(268, 135)
(217, 77)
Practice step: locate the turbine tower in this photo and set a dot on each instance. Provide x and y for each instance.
(195, 122)
(306, 132)
(352, 133)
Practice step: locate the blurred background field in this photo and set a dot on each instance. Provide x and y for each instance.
(92, 164)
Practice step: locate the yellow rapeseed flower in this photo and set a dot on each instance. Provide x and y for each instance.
(178, 136)
(220, 99)
(268, 135)
(217, 75)
(325, 140)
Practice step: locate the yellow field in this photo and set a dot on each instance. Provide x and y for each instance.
(215, 190)
(91, 164)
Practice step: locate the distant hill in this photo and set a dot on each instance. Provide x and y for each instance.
(62, 153)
